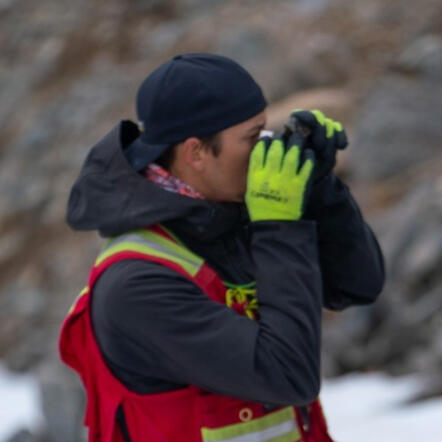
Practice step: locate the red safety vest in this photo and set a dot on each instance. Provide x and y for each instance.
(185, 415)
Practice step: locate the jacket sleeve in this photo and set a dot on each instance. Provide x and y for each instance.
(151, 321)
(351, 260)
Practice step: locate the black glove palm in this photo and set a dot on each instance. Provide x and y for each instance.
(323, 135)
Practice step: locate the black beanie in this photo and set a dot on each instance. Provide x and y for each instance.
(191, 95)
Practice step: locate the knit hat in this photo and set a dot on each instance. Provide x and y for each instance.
(191, 95)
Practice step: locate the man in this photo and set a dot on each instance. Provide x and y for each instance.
(204, 322)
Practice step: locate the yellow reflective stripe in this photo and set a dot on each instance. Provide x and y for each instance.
(150, 243)
(162, 241)
(179, 249)
(279, 426)
(83, 292)
(155, 240)
(129, 246)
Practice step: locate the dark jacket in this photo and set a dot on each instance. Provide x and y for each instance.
(158, 331)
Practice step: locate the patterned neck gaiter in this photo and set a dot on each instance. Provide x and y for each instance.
(163, 178)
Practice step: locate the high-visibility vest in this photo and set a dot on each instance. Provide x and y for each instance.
(188, 414)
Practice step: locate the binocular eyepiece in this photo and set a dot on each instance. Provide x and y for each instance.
(293, 133)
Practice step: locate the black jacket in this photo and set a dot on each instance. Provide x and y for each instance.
(157, 331)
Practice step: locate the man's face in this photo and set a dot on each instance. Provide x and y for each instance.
(225, 175)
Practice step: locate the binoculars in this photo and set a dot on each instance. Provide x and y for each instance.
(293, 131)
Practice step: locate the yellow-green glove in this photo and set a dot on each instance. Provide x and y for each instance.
(276, 190)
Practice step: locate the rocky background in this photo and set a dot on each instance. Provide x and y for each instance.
(70, 70)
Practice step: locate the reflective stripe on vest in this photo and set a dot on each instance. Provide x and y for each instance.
(150, 243)
(240, 298)
(284, 425)
(83, 292)
(279, 426)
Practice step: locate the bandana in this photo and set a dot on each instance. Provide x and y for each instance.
(163, 178)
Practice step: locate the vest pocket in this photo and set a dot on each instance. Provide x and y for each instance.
(217, 411)
(231, 420)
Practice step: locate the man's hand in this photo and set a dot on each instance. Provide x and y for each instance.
(276, 190)
(325, 137)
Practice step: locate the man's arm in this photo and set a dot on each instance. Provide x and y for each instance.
(151, 321)
(351, 259)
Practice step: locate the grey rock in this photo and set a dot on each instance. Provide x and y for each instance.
(22, 311)
(425, 257)
(63, 403)
(400, 226)
(193, 6)
(423, 56)
(10, 244)
(399, 127)
(310, 6)
(145, 6)
(22, 435)
(250, 46)
(325, 60)
(5, 5)
(58, 96)
(14, 87)
(29, 350)
(47, 145)
(162, 38)
(400, 333)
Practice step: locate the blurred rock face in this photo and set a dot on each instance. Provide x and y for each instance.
(399, 124)
(70, 70)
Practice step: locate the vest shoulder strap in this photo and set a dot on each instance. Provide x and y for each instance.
(152, 243)
(158, 244)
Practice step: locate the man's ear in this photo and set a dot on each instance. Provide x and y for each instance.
(194, 153)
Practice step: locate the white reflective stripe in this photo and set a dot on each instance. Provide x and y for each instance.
(262, 435)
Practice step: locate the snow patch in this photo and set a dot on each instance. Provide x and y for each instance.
(19, 403)
(373, 407)
(359, 407)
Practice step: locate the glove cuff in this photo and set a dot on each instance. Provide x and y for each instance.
(315, 205)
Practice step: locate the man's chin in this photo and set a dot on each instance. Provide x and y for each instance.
(234, 199)
(230, 197)
(240, 197)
